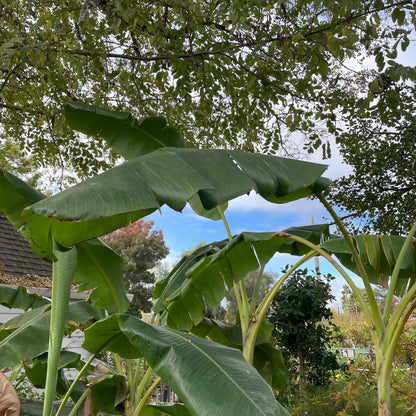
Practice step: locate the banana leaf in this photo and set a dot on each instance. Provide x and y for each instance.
(268, 360)
(27, 335)
(166, 176)
(121, 131)
(109, 393)
(36, 369)
(210, 379)
(379, 255)
(204, 277)
(20, 298)
(99, 268)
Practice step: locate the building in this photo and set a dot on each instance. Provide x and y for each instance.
(21, 266)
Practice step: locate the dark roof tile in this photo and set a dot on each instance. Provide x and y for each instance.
(16, 255)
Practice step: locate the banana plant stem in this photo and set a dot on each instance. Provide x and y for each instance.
(395, 274)
(256, 291)
(71, 387)
(240, 295)
(145, 398)
(140, 388)
(378, 321)
(79, 402)
(396, 318)
(63, 271)
(117, 364)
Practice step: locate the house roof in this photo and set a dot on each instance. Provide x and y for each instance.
(16, 255)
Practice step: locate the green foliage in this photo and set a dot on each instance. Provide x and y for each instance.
(380, 192)
(141, 250)
(205, 276)
(203, 373)
(241, 75)
(353, 394)
(406, 349)
(302, 325)
(14, 160)
(59, 227)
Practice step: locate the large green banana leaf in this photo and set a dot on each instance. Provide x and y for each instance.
(27, 335)
(268, 360)
(167, 176)
(108, 393)
(132, 138)
(99, 268)
(123, 133)
(379, 255)
(20, 298)
(209, 378)
(204, 277)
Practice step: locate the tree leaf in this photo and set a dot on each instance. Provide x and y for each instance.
(166, 176)
(204, 277)
(122, 132)
(229, 384)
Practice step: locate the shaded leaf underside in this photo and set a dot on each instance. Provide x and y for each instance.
(167, 176)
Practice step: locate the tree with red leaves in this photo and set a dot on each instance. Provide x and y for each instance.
(142, 249)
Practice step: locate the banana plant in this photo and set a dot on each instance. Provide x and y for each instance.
(389, 261)
(64, 228)
(203, 278)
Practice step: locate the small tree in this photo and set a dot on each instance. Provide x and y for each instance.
(301, 317)
(141, 250)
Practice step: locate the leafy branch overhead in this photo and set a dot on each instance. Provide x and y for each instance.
(236, 74)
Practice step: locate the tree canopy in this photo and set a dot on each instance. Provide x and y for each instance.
(230, 73)
(380, 147)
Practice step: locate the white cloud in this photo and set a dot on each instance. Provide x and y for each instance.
(256, 204)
